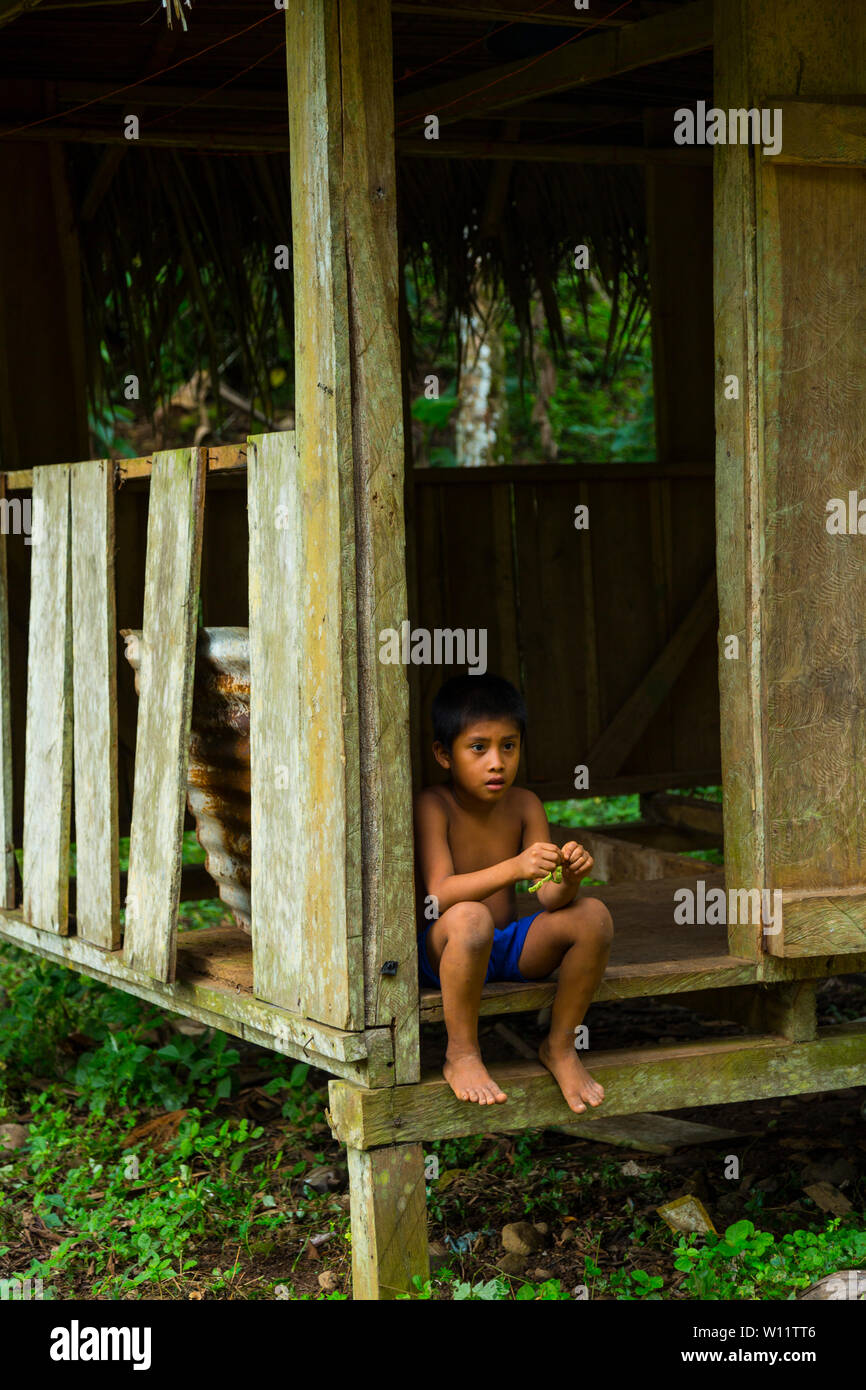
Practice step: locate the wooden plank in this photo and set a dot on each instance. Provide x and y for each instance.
(225, 458)
(369, 181)
(388, 1208)
(693, 812)
(306, 943)
(363, 1057)
(635, 1079)
(7, 864)
(94, 688)
(171, 584)
(48, 757)
(816, 923)
(616, 861)
(611, 749)
(823, 133)
(688, 29)
(655, 1134)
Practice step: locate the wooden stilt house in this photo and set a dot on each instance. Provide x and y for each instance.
(720, 617)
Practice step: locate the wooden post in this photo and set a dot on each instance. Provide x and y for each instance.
(43, 407)
(7, 861)
(790, 295)
(389, 1220)
(350, 445)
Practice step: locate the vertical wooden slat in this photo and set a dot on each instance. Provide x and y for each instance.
(280, 795)
(174, 531)
(94, 686)
(302, 929)
(7, 864)
(326, 626)
(48, 751)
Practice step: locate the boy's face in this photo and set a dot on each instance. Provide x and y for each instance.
(484, 757)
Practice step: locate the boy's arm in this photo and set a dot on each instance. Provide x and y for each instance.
(437, 867)
(576, 861)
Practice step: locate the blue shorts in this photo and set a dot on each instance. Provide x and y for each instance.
(504, 953)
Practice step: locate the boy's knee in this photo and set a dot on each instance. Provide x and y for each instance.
(598, 921)
(591, 921)
(471, 924)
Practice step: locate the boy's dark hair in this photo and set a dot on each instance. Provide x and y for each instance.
(463, 699)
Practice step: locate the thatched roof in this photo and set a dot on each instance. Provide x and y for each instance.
(162, 222)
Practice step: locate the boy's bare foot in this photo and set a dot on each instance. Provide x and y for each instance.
(575, 1082)
(469, 1079)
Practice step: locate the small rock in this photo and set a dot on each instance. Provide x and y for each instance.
(521, 1238)
(540, 1275)
(439, 1255)
(13, 1136)
(326, 1179)
(512, 1263)
(687, 1213)
(542, 1228)
(567, 1235)
(835, 1172)
(328, 1281)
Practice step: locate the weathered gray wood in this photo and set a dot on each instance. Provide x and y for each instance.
(7, 861)
(305, 897)
(816, 132)
(737, 480)
(389, 1220)
(48, 757)
(816, 923)
(366, 1058)
(377, 440)
(791, 295)
(635, 1079)
(94, 686)
(174, 532)
(327, 626)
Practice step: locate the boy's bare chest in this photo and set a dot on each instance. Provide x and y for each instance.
(476, 847)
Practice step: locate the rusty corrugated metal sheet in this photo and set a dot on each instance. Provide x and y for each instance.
(218, 782)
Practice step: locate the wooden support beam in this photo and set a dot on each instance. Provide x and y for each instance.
(535, 153)
(369, 181)
(715, 1072)
(227, 458)
(607, 755)
(624, 861)
(786, 1008)
(171, 587)
(48, 756)
(388, 1208)
(94, 686)
(326, 627)
(675, 34)
(601, 13)
(691, 812)
(365, 1058)
(7, 855)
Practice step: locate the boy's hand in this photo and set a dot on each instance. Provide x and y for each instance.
(576, 862)
(538, 860)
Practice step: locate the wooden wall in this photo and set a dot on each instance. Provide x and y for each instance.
(610, 631)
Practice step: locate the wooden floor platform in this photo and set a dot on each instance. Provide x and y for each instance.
(651, 954)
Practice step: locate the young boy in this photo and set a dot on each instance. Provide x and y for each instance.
(475, 838)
